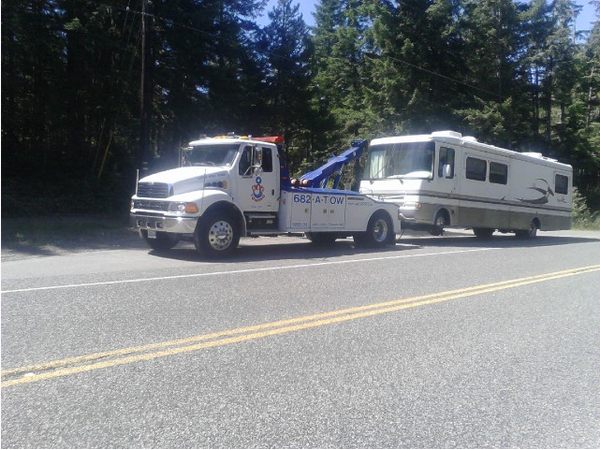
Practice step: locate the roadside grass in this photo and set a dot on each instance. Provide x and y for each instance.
(583, 217)
(68, 232)
(587, 223)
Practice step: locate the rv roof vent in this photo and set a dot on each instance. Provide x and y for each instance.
(447, 133)
(470, 139)
(533, 154)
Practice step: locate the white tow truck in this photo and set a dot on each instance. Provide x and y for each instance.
(229, 187)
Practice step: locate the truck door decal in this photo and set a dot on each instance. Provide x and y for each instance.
(258, 190)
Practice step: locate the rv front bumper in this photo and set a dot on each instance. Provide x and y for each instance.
(404, 217)
(180, 225)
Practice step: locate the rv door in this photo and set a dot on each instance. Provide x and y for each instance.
(446, 169)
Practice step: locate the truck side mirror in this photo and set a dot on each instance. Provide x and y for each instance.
(257, 159)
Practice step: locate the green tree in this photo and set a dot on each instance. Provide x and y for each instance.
(287, 49)
(416, 65)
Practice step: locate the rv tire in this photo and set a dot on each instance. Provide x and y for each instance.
(440, 221)
(530, 233)
(483, 233)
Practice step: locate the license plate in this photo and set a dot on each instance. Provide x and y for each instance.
(151, 234)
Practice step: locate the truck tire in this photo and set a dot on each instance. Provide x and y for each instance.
(217, 235)
(483, 233)
(380, 232)
(322, 239)
(164, 241)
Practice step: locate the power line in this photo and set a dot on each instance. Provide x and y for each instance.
(372, 56)
(431, 72)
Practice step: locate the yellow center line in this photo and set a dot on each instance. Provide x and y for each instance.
(129, 355)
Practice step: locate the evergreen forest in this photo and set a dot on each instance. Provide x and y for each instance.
(94, 89)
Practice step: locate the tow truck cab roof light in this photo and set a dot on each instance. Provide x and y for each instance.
(270, 139)
(278, 140)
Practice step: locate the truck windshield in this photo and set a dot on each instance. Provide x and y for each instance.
(407, 160)
(210, 155)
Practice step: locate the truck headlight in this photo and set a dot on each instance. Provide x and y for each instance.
(183, 207)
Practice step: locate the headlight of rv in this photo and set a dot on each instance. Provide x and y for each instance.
(183, 207)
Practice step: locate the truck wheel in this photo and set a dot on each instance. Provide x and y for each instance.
(217, 235)
(162, 242)
(322, 239)
(380, 232)
(483, 233)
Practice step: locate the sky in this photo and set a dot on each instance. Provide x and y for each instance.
(307, 8)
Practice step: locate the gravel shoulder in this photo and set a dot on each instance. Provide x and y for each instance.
(24, 238)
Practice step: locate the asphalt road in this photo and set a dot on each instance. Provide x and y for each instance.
(437, 342)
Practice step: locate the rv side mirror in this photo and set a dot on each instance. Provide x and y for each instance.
(447, 171)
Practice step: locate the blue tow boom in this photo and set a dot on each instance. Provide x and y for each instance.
(333, 167)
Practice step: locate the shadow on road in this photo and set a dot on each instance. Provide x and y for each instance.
(31, 237)
(263, 249)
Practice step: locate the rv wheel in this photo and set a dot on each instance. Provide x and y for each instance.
(530, 233)
(438, 224)
(483, 233)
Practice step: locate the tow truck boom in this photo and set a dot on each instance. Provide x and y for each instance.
(334, 166)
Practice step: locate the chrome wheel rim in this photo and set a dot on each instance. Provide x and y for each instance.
(220, 235)
(380, 230)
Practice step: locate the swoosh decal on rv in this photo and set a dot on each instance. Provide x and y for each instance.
(540, 200)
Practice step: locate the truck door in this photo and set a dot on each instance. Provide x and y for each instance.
(258, 179)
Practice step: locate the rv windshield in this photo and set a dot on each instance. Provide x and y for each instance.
(210, 155)
(407, 160)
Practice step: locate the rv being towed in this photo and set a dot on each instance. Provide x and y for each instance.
(443, 180)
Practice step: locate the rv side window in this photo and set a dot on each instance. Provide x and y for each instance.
(498, 173)
(446, 158)
(476, 169)
(561, 184)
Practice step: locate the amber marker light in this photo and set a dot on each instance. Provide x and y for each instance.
(191, 208)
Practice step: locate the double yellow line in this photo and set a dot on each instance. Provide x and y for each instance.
(129, 355)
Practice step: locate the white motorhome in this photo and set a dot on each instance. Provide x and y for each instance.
(444, 179)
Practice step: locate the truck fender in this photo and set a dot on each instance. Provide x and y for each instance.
(223, 203)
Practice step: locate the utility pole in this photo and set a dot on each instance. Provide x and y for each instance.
(142, 155)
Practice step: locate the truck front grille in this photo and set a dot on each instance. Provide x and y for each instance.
(153, 190)
(154, 205)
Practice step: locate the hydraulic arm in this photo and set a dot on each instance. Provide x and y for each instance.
(333, 167)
